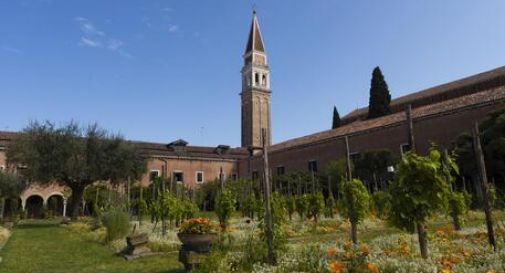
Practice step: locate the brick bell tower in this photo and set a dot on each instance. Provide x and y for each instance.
(256, 91)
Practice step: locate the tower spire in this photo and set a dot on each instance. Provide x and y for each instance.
(255, 90)
(255, 41)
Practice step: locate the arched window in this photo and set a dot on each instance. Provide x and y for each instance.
(264, 80)
(256, 79)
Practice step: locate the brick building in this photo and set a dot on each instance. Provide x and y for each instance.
(440, 114)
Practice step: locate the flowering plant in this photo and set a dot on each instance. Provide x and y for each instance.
(197, 226)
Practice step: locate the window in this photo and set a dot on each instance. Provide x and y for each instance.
(264, 80)
(199, 177)
(153, 174)
(404, 148)
(313, 166)
(234, 176)
(255, 175)
(178, 176)
(256, 78)
(355, 157)
(281, 170)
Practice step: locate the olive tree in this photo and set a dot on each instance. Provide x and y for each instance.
(420, 189)
(75, 157)
(11, 186)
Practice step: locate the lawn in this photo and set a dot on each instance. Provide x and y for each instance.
(42, 246)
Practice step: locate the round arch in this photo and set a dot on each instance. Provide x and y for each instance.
(34, 206)
(55, 204)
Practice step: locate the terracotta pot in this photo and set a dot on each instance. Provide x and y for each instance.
(197, 242)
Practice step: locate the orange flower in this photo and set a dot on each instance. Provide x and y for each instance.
(330, 251)
(372, 267)
(364, 249)
(336, 267)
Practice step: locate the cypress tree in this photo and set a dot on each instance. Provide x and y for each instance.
(379, 95)
(336, 118)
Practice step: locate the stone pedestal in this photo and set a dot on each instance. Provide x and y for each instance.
(136, 246)
(191, 259)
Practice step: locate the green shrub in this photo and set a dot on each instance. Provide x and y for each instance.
(330, 206)
(315, 205)
(302, 204)
(225, 205)
(381, 204)
(117, 223)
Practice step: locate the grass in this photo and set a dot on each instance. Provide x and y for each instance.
(44, 246)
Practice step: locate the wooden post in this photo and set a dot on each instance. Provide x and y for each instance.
(128, 191)
(221, 178)
(140, 211)
(410, 124)
(348, 159)
(268, 207)
(479, 156)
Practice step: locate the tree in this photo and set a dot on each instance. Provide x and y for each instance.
(75, 157)
(354, 204)
(11, 186)
(372, 167)
(336, 118)
(419, 190)
(492, 137)
(380, 97)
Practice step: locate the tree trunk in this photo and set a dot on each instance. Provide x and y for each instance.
(423, 241)
(2, 210)
(76, 198)
(354, 232)
(455, 220)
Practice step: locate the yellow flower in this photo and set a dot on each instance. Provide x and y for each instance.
(373, 268)
(445, 270)
(336, 267)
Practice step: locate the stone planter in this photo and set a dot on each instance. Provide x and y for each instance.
(197, 242)
(195, 247)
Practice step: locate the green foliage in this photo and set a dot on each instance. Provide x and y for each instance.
(75, 157)
(302, 205)
(11, 185)
(420, 189)
(355, 200)
(247, 207)
(330, 206)
(315, 205)
(336, 118)
(336, 169)
(290, 205)
(380, 97)
(458, 206)
(381, 202)
(225, 205)
(117, 223)
(143, 208)
(372, 166)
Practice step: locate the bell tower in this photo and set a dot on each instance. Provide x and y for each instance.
(256, 91)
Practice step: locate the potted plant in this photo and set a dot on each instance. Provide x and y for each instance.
(197, 234)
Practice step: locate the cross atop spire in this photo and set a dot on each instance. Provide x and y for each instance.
(255, 42)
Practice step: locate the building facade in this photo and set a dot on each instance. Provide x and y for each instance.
(440, 114)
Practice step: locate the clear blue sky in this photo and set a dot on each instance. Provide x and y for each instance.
(158, 70)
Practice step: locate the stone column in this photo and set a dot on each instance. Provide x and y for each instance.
(64, 207)
(23, 203)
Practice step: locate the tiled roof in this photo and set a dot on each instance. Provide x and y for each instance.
(476, 83)
(160, 149)
(484, 97)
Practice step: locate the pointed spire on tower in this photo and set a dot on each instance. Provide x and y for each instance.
(255, 42)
